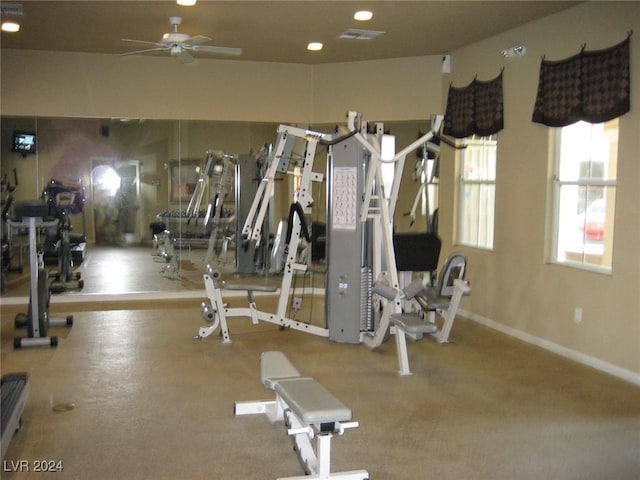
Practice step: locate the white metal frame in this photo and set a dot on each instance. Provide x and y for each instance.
(252, 230)
(217, 312)
(448, 314)
(382, 214)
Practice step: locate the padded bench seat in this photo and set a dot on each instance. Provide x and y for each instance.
(275, 366)
(413, 323)
(311, 402)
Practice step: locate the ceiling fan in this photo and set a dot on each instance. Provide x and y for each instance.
(181, 44)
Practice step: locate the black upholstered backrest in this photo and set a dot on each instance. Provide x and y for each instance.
(417, 252)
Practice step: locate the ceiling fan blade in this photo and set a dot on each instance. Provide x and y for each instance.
(197, 40)
(217, 50)
(185, 57)
(145, 42)
(157, 49)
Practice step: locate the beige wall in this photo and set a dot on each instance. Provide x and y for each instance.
(515, 288)
(97, 85)
(396, 89)
(515, 285)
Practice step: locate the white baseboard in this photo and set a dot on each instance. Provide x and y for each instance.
(601, 365)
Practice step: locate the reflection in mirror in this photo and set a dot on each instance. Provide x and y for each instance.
(105, 184)
(139, 178)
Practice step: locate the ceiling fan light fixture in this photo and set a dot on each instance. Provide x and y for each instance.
(363, 15)
(314, 46)
(10, 27)
(181, 44)
(186, 3)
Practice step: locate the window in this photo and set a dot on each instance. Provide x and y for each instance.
(585, 191)
(477, 192)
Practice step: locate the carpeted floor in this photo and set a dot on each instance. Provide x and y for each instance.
(141, 399)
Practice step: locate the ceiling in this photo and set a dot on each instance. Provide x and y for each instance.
(274, 31)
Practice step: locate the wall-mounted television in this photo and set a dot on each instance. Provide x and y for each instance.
(23, 142)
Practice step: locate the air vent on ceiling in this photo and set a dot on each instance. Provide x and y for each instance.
(11, 9)
(355, 34)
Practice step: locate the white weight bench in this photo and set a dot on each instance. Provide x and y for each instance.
(309, 411)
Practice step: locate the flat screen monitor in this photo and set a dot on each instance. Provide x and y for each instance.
(24, 142)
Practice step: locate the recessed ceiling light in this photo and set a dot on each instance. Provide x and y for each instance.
(10, 27)
(363, 15)
(314, 46)
(186, 3)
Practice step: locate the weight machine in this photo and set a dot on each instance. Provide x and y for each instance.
(221, 171)
(216, 177)
(215, 311)
(250, 170)
(361, 262)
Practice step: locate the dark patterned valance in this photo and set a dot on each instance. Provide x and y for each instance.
(475, 109)
(592, 86)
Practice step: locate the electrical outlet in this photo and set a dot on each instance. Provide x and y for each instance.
(577, 315)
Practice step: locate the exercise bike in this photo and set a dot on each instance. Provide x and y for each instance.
(34, 217)
(64, 201)
(7, 203)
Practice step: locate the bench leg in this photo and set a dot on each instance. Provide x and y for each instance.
(324, 455)
(271, 408)
(259, 407)
(317, 465)
(403, 356)
(302, 444)
(450, 315)
(352, 475)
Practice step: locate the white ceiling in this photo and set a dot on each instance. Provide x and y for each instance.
(274, 31)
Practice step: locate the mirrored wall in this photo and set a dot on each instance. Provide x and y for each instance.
(128, 180)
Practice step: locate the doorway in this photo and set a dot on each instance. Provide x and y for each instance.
(115, 191)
